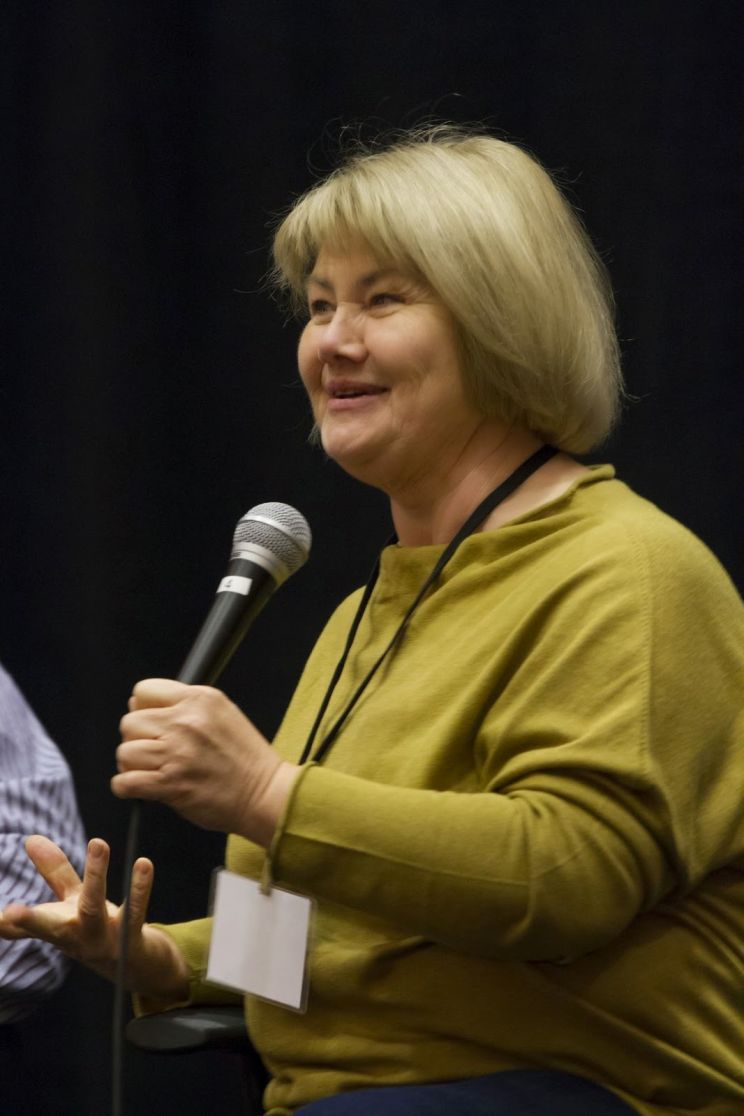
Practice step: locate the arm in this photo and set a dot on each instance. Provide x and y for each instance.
(535, 874)
(606, 724)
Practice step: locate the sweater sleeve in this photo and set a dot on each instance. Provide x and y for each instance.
(621, 724)
(192, 939)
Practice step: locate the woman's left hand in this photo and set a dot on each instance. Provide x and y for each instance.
(190, 748)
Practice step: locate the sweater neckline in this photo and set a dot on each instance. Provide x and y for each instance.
(403, 568)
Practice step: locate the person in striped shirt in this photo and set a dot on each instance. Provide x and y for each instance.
(36, 796)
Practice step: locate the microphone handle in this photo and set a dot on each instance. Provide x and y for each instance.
(241, 595)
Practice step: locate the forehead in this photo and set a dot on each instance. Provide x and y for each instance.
(359, 267)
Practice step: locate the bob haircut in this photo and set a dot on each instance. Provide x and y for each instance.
(483, 226)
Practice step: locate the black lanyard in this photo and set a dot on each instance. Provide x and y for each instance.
(512, 482)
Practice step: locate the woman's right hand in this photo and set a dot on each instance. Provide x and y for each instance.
(86, 926)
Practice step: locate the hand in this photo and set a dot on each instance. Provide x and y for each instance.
(192, 749)
(86, 926)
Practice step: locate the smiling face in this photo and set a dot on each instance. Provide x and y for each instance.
(380, 363)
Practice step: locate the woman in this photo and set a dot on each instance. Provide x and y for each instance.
(524, 833)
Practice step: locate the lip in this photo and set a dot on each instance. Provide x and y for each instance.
(351, 395)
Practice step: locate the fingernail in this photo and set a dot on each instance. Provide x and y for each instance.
(96, 849)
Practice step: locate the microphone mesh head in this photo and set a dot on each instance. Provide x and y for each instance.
(278, 528)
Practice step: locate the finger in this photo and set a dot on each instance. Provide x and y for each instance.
(143, 874)
(53, 865)
(92, 902)
(140, 755)
(152, 693)
(43, 921)
(13, 922)
(145, 723)
(148, 785)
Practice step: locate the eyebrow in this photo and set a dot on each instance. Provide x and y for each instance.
(365, 281)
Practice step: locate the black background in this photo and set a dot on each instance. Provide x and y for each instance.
(149, 392)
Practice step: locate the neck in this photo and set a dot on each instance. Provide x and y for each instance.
(433, 512)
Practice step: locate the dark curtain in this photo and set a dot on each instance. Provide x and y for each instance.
(149, 387)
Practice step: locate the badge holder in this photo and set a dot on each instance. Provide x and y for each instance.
(260, 937)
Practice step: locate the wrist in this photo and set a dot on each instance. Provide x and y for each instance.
(273, 802)
(160, 971)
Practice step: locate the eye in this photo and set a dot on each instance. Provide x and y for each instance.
(319, 308)
(384, 298)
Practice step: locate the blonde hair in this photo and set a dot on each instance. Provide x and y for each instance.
(483, 225)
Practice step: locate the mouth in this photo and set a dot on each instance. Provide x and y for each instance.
(349, 396)
(340, 390)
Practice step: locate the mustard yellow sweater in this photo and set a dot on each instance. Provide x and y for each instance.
(527, 844)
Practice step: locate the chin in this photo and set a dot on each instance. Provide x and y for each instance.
(358, 460)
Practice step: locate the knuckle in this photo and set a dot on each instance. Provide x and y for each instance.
(207, 697)
(195, 718)
(192, 720)
(88, 911)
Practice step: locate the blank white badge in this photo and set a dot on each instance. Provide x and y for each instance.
(259, 941)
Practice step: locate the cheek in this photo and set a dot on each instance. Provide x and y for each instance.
(308, 363)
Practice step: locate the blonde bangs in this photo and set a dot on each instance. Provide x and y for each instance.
(355, 207)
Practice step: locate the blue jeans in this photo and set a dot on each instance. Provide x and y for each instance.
(510, 1093)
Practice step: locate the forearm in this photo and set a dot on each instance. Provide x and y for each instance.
(526, 877)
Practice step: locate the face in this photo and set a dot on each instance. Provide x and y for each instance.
(379, 360)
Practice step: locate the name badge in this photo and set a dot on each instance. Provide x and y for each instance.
(259, 941)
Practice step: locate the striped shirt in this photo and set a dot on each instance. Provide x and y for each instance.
(36, 796)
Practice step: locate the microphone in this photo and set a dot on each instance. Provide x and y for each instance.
(270, 543)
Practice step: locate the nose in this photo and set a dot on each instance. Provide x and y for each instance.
(342, 337)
